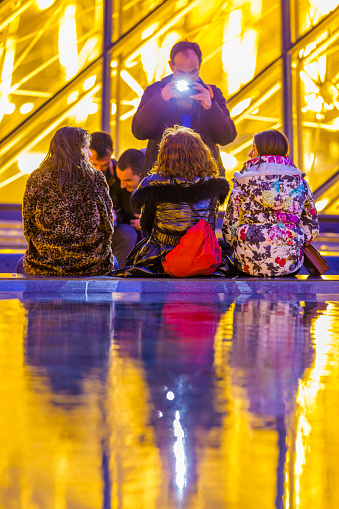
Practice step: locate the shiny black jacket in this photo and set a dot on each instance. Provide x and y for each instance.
(154, 115)
(166, 215)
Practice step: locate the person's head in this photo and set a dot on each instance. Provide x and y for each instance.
(102, 149)
(185, 60)
(68, 153)
(269, 142)
(182, 153)
(129, 169)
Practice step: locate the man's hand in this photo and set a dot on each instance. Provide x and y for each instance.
(203, 96)
(135, 222)
(170, 92)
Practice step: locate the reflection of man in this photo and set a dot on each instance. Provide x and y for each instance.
(201, 107)
(126, 231)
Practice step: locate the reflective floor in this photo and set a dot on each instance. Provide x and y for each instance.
(165, 402)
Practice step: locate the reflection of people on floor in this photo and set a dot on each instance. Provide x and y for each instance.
(272, 347)
(176, 346)
(64, 418)
(69, 340)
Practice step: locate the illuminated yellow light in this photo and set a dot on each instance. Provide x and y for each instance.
(93, 108)
(150, 30)
(313, 103)
(67, 42)
(179, 452)
(254, 112)
(229, 161)
(240, 107)
(239, 51)
(132, 83)
(309, 160)
(163, 68)
(26, 108)
(114, 108)
(30, 161)
(44, 4)
(309, 85)
(321, 204)
(89, 51)
(89, 82)
(114, 63)
(149, 58)
(6, 107)
(72, 97)
(7, 69)
(131, 112)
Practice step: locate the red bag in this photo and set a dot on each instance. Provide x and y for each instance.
(198, 253)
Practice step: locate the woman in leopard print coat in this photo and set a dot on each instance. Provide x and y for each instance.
(67, 211)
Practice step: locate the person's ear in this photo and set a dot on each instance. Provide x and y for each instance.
(171, 65)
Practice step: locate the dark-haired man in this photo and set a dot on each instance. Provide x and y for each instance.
(126, 227)
(201, 107)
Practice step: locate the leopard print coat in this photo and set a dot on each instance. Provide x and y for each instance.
(68, 233)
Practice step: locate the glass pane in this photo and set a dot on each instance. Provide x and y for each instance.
(238, 40)
(22, 152)
(316, 108)
(45, 44)
(310, 12)
(255, 109)
(127, 13)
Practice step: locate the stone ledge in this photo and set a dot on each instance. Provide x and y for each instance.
(300, 285)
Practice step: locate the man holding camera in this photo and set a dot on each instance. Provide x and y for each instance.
(182, 98)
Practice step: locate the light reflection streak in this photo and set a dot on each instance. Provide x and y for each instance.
(308, 393)
(67, 44)
(179, 452)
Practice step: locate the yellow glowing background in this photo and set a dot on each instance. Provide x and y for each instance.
(51, 54)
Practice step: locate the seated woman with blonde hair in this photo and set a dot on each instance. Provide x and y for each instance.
(181, 189)
(271, 211)
(67, 212)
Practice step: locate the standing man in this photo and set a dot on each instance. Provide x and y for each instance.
(183, 98)
(126, 225)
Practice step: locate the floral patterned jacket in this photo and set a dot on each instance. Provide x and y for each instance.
(69, 233)
(270, 214)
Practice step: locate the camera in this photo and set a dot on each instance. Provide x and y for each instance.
(185, 87)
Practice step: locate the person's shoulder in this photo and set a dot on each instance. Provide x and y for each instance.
(154, 179)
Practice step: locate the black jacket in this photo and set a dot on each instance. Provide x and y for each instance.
(154, 115)
(166, 216)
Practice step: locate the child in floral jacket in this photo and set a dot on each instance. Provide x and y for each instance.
(271, 211)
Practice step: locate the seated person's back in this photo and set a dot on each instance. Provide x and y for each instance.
(67, 211)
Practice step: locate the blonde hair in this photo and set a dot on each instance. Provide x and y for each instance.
(182, 153)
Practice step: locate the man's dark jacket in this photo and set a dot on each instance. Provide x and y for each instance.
(154, 115)
(120, 197)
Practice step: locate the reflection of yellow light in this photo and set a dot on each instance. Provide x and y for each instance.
(84, 108)
(132, 83)
(149, 57)
(149, 31)
(309, 85)
(163, 67)
(7, 69)
(67, 43)
(131, 112)
(313, 103)
(89, 51)
(26, 108)
(30, 161)
(309, 160)
(240, 107)
(44, 4)
(89, 83)
(321, 204)
(179, 452)
(228, 160)
(72, 97)
(239, 51)
(6, 107)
